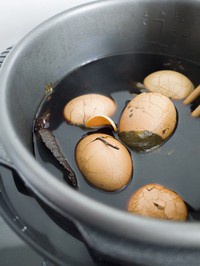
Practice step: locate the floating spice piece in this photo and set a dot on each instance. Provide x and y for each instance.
(104, 161)
(192, 96)
(100, 120)
(147, 121)
(81, 108)
(169, 83)
(48, 88)
(196, 112)
(137, 87)
(42, 122)
(157, 201)
(51, 143)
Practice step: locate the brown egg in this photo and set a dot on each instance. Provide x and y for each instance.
(170, 83)
(104, 161)
(147, 120)
(81, 108)
(156, 201)
(100, 120)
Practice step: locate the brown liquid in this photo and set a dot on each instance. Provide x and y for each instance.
(176, 164)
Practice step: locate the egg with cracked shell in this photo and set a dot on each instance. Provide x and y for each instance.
(169, 83)
(104, 161)
(80, 109)
(147, 121)
(157, 201)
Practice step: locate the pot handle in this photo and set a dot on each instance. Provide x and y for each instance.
(4, 159)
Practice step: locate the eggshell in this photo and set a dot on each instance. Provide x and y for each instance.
(170, 83)
(148, 116)
(81, 108)
(104, 161)
(100, 120)
(157, 201)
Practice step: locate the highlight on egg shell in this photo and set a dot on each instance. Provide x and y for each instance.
(80, 109)
(104, 161)
(147, 121)
(157, 201)
(169, 83)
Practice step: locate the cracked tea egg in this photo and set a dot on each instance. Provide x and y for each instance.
(147, 121)
(169, 83)
(104, 161)
(157, 201)
(80, 109)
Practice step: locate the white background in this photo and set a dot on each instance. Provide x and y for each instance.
(18, 17)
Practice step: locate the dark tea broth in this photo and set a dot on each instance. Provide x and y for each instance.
(175, 164)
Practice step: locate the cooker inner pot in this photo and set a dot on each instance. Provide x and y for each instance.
(71, 40)
(114, 76)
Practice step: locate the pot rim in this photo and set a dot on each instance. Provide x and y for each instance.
(64, 199)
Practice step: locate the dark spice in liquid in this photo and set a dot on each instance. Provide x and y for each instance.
(176, 164)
